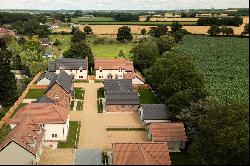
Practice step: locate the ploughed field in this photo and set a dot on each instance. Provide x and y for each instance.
(224, 63)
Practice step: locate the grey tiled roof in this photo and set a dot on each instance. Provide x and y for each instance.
(44, 99)
(50, 75)
(118, 84)
(68, 64)
(156, 112)
(122, 98)
(64, 80)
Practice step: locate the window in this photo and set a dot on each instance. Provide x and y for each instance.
(80, 76)
(70, 70)
(54, 135)
(80, 70)
(100, 76)
(120, 70)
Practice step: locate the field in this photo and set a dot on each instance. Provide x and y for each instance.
(64, 39)
(133, 23)
(97, 19)
(111, 50)
(224, 63)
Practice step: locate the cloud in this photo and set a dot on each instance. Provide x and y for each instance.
(121, 4)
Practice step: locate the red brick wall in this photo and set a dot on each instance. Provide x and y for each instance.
(59, 95)
(122, 108)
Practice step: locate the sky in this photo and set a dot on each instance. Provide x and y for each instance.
(121, 4)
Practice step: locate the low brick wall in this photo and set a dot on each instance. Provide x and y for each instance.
(34, 86)
(122, 108)
(7, 116)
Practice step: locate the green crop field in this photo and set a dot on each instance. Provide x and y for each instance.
(75, 20)
(111, 50)
(224, 63)
(132, 23)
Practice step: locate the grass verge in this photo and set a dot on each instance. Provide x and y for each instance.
(35, 93)
(100, 93)
(4, 131)
(79, 106)
(73, 136)
(100, 106)
(79, 93)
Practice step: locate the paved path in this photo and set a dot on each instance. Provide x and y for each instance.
(93, 132)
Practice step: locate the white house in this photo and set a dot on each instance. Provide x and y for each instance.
(77, 67)
(112, 68)
(54, 119)
(150, 113)
(23, 145)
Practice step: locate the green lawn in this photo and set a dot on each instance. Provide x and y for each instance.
(111, 50)
(73, 136)
(180, 158)
(224, 63)
(147, 97)
(35, 93)
(79, 106)
(79, 93)
(100, 93)
(4, 131)
(75, 20)
(64, 39)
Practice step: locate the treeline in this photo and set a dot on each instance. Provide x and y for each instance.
(229, 21)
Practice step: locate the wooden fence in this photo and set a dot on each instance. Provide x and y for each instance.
(6, 118)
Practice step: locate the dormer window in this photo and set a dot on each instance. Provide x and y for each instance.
(120, 69)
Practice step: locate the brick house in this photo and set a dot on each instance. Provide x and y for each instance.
(120, 97)
(61, 89)
(112, 68)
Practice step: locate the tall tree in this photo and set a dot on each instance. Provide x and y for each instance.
(145, 54)
(80, 50)
(175, 26)
(165, 43)
(15, 50)
(176, 80)
(8, 88)
(219, 133)
(158, 31)
(78, 36)
(124, 34)
(87, 30)
(214, 30)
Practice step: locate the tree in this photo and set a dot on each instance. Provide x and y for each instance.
(246, 30)
(87, 29)
(145, 54)
(143, 31)
(158, 31)
(225, 30)
(179, 35)
(15, 49)
(148, 18)
(80, 50)
(78, 36)
(176, 80)
(175, 26)
(57, 42)
(214, 30)
(121, 54)
(124, 33)
(219, 133)
(33, 62)
(165, 43)
(8, 88)
(43, 32)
